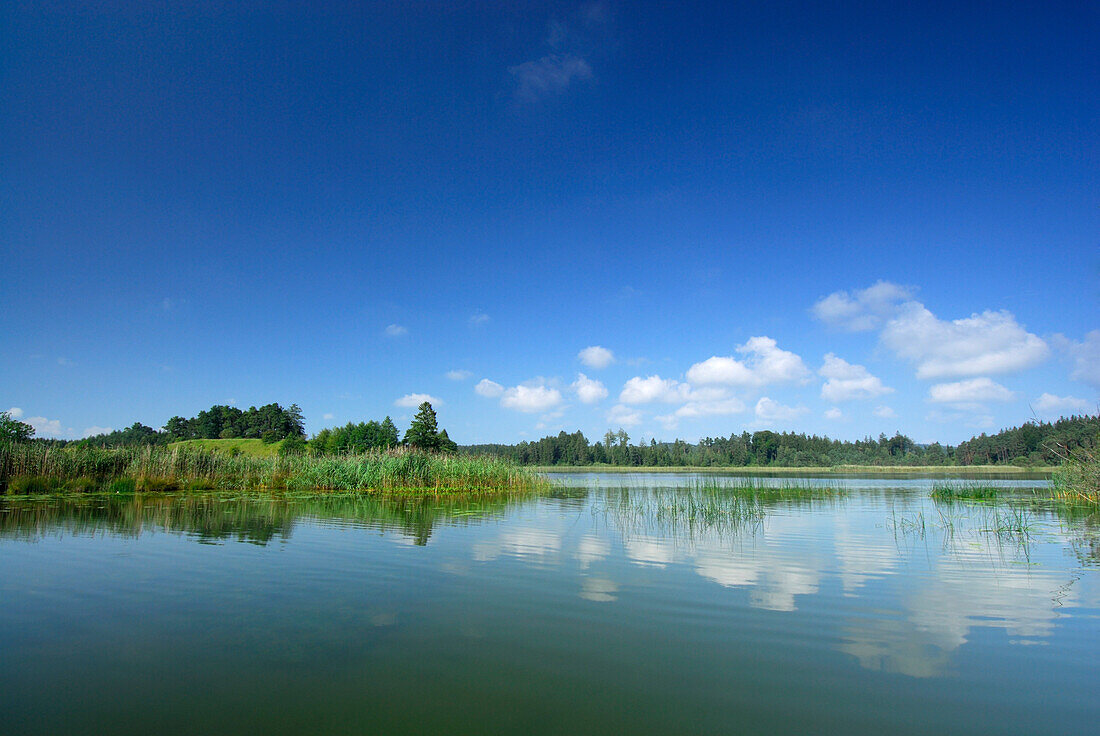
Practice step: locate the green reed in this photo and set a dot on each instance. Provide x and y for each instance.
(33, 468)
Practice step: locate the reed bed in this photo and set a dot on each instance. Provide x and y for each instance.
(964, 491)
(32, 468)
(1077, 480)
(761, 491)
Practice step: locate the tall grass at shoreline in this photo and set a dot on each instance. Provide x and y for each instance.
(32, 468)
(1077, 479)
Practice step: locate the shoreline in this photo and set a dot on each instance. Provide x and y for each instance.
(1044, 471)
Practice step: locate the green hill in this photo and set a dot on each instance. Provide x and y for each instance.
(253, 447)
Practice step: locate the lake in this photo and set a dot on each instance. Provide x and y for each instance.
(640, 604)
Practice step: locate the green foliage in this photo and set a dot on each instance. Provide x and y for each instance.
(1078, 478)
(37, 468)
(293, 445)
(355, 438)
(424, 433)
(959, 491)
(1030, 445)
(253, 448)
(13, 430)
(271, 422)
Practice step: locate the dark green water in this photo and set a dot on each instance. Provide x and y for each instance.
(623, 605)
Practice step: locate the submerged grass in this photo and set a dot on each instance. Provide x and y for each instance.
(36, 469)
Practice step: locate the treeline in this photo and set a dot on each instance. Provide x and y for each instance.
(269, 423)
(1037, 443)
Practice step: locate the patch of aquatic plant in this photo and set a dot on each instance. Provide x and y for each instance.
(681, 512)
(33, 468)
(761, 491)
(964, 490)
(1077, 480)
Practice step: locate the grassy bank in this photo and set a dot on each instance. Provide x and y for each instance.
(1009, 470)
(251, 447)
(31, 468)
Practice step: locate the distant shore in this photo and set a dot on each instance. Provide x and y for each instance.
(830, 470)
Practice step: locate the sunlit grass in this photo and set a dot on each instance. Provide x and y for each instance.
(33, 468)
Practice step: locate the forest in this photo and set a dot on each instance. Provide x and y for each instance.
(1031, 444)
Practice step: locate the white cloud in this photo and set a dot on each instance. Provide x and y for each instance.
(884, 412)
(15, 412)
(847, 381)
(1084, 355)
(478, 318)
(624, 416)
(65, 361)
(44, 427)
(990, 342)
(530, 399)
(93, 431)
(971, 391)
(834, 413)
(704, 402)
(329, 416)
(396, 331)
(596, 357)
(1052, 405)
(548, 76)
(458, 375)
(861, 310)
(488, 389)
(414, 400)
(768, 410)
(640, 390)
(765, 364)
(588, 390)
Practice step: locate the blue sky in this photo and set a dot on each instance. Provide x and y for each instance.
(843, 218)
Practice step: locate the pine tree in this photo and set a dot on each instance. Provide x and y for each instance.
(423, 433)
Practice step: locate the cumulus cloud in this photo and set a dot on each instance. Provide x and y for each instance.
(44, 427)
(1084, 356)
(15, 412)
(834, 413)
(704, 406)
(861, 310)
(478, 318)
(990, 342)
(596, 357)
(588, 390)
(458, 375)
(884, 412)
(1052, 405)
(93, 431)
(548, 76)
(530, 399)
(624, 416)
(768, 410)
(414, 400)
(488, 389)
(329, 416)
(972, 391)
(765, 363)
(847, 381)
(396, 331)
(653, 388)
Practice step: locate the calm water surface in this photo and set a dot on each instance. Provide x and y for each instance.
(623, 604)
